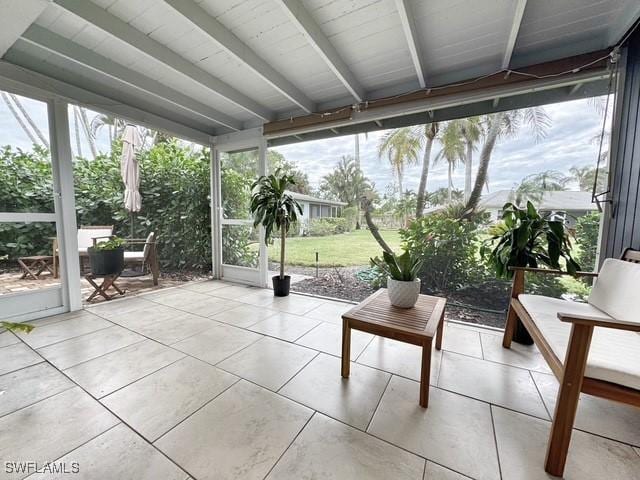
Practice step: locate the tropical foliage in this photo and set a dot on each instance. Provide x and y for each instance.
(404, 267)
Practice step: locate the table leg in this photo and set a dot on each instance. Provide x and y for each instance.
(440, 332)
(346, 348)
(425, 373)
(26, 270)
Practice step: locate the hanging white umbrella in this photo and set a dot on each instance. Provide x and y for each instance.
(130, 170)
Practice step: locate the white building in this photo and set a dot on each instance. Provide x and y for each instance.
(313, 207)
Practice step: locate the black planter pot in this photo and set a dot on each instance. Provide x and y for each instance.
(521, 334)
(281, 286)
(106, 262)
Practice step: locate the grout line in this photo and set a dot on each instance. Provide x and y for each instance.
(37, 401)
(298, 371)
(373, 337)
(375, 410)
(544, 404)
(495, 440)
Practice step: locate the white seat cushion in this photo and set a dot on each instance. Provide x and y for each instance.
(616, 290)
(614, 355)
(86, 236)
(134, 256)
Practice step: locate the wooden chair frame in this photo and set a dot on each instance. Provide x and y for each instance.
(81, 255)
(150, 260)
(569, 373)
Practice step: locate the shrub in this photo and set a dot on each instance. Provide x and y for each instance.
(587, 232)
(350, 214)
(321, 227)
(449, 247)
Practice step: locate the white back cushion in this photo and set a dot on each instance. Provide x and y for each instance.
(617, 290)
(86, 236)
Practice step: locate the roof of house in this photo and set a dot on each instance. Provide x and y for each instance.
(553, 200)
(322, 201)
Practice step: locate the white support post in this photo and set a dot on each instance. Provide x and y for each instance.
(65, 204)
(264, 253)
(216, 202)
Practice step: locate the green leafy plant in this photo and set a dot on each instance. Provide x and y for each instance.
(274, 208)
(525, 238)
(112, 244)
(17, 327)
(404, 267)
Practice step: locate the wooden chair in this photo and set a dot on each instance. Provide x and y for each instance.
(147, 258)
(591, 347)
(86, 234)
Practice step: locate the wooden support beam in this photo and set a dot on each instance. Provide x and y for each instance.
(519, 7)
(111, 24)
(233, 45)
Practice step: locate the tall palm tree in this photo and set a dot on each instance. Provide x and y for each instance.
(500, 125)
(86, 126)
(76, 128)
(30, 121)
(429, 132)
(533, 186)
(471, 131)
(401, 147)
(453, 151)
(347, 183)
(15, 114)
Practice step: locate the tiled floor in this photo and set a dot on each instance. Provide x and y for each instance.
(218, 381)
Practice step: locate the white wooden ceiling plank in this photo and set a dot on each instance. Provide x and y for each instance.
(227, 40)
(323, 47)
(413, 43)
(64, 48)
(518, 14)
(116, 27)
(16, 17)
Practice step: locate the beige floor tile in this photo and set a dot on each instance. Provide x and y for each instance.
(8, 338)
(137, 319)
(119, 306)
(239, 435)
(259, 298)
(196, 303)
(217, 343)
(524, 356)
(320, 386)
(243, 316)
(296, 304)
(117, 454)
(596, 415)
(330, 312)
(41, 322)
(399, 358)
(30, 385)
(327, 337)
(207, 286)
(455, 431)
(285, 326)
(461, 340)
(176, 328)
(331, 450)
(86, 347)
(433, 471)
(17, 356)
(52, 427)
(495, 383)
(269, 362)
(233, 292)
(64, 330)
(169, 396)
(522, 444)
(114, 370)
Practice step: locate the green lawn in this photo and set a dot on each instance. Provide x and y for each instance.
(344, 250)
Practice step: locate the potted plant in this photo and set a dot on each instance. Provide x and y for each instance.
(276, 210)
(403, 284)
(524, 238)
(107, 257)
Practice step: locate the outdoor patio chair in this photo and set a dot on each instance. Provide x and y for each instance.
(86, 234)
(591, 347)
(147, 258)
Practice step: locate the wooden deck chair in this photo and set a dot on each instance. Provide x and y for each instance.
(593, 347)
(147, 258)
(86, 234)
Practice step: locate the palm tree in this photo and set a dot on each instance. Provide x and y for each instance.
(26, 115)
(15, 114)
(86, 126)
(471, 131)
(441, 196)
(533, 186)
(401, 147)
(346, 183)
(453, 151)
(429, 132)
(586, 177)
(499, 125)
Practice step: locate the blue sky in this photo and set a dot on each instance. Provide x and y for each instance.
(569, 143)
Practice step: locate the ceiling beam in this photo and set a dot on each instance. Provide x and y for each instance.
(518, 13)
(16, 17)
(305, 23)
(234, 46)
(411, 34)
(162, 54)
(62, 47)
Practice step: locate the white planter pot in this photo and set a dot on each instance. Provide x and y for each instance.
(403, 294)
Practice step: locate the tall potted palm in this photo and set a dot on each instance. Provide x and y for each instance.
(275, 209)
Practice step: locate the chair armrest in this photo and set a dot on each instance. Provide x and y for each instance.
(553, 271)
(101, 236)
(599, 322)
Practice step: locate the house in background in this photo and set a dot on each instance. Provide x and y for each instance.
(313, 207)
(563, 205)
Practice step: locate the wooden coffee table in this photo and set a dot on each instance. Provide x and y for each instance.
(34, 265)
(417, 326)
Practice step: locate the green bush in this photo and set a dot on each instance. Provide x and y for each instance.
(350, 214)
(587, 232)
(449, 246)
(322, 227)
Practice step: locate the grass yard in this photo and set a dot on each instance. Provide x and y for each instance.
(344, 250)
